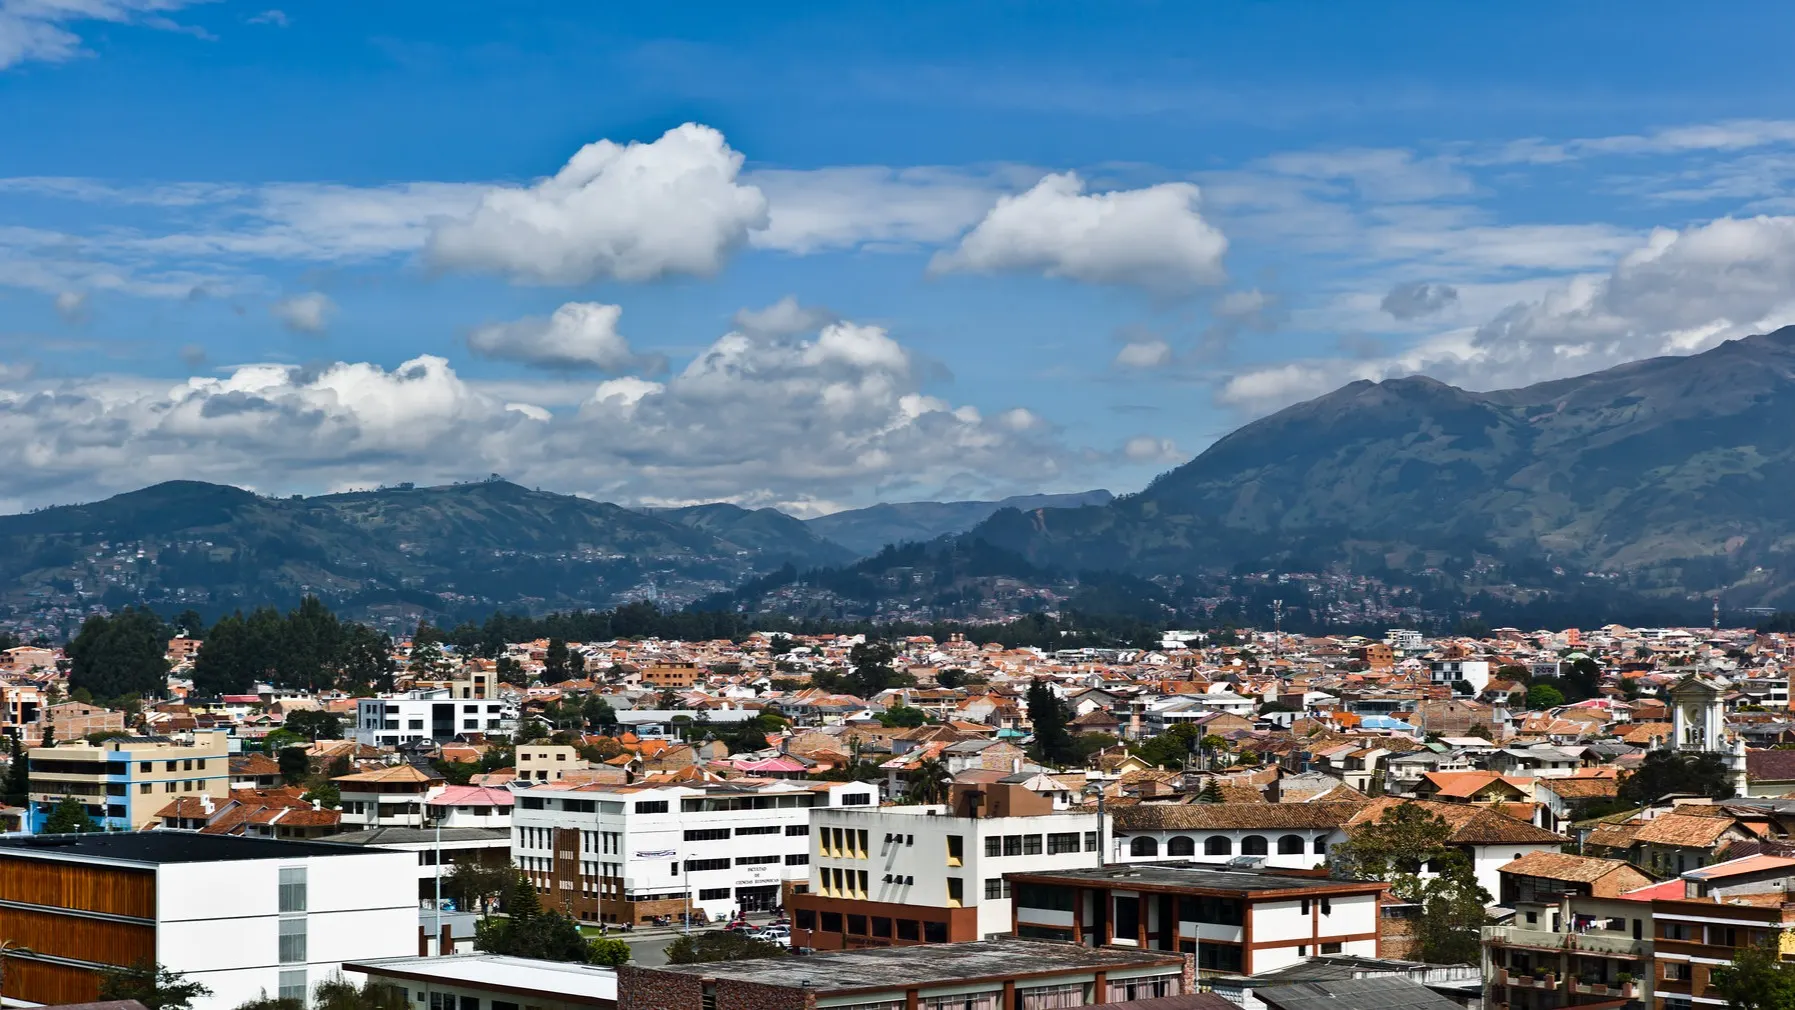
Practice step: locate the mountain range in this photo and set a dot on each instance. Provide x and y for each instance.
(1667, 475)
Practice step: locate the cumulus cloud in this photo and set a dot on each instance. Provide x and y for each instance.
(1680, 292)
(632, 212)
(783, 318)
(40, 29)
(1152, 237)
(840, 416)
(72, 306)
(579, 335)
(1147, 449)
(816, 210)
(309, 313)
(1417, 298)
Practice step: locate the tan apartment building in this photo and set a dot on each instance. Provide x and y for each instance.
(676, 675)
(125, 782)
(547, 762)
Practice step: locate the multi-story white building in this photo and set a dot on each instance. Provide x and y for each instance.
(437, 715)
(246, 917)
(612, 853)
(1475, 672)
(933, 874)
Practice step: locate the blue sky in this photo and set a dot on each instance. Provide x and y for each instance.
(900, 251)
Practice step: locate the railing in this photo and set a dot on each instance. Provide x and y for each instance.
(1621, 989)
(1547, 981)
(1597, 943)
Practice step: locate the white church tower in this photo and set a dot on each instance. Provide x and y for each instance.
(1698, 721)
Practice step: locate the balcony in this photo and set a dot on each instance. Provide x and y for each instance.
(1547, 981)
(1597, 944)
(1623, 990)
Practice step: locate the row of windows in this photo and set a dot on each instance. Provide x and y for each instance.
(872, 925)
(844, 843)
(1218, 845)
(1030, 845)
(836, 882)
(186, 786)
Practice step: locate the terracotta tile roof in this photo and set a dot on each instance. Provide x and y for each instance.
(1613, 836)
(1689, 831)
(1582, 788)
(1563, 866)
(1774, 765)
(1471, 825)
(393, 773)
(254, 766)
(1232, 816)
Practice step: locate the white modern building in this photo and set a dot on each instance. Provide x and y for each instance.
(244, 916)
(415, 716)
(1475, 672)
(933, 874)
(614, 853)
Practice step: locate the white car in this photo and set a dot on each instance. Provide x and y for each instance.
(773, 934)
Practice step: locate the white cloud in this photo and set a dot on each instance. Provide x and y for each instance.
(1418, 298)
(1152, 237)
(633, 212)
(39, 30)
(578, 335)
(1147, 449)
(1678, 292)
(841, 417)
(1381, 175)
(817, 210)
(277, 18)
(309, 313)
(1153, 353)
(783, 318)
(72, 306)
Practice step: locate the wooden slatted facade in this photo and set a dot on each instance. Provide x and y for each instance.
(68, 897)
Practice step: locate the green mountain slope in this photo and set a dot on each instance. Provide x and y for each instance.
(1669, 474)
(865, 531)
(767, 532)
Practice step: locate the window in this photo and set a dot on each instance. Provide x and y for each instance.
(292, 888)
(146, 787)
(146, 766)
(994, 846)
(934, 932)
(1143, 846)
(831, 922)
(857, 800)
(1253, 845)
(292, 985)
(881, 926)
(713, 893)
(707, 834)
(1331, 948)
(1321, 846)
(1216, 845)
(755, 860)
(1290, 845)
(1090, 841)
(170, 766)
(1676, 971)
(1327, 906)
(857, 924)
(1305, 906)
(806, 918)
(765, 829)
(956, 850)
(906, 930)
(694, 865)
(1031, 845)
(956, 892)
(1150, 987)
(991, 1000)
(292, 941)
(798, 859)
(996, 887)
(1064, 842)
(651, 806)
(1052, 997)
(1210, 909)
(1012, 845)
(1181, 845)
(1053, 899)
(797, 829)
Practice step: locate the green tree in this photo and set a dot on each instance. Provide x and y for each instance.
(1758, 979)
(188, 624)
(314, 724)
(338, 993)
(325, 793)
(930, 782)
(151, 984)
(1212, 792)
(608, 951)
(1170, 748)
(69, 817)
(1398, 847)
(366, 660)
(1048, 715)
(719, 945)
(1544, 696)
(427, 661)
(310, 646)
(120, 654)
(1400, 842)
(1665, 772)
(902, 716)
(951, 677)
(475, 886)
(557, 665)
(18, 774)
(597, 713)
(530, 931)
(294, 765)
(870, 669)
(225, 665)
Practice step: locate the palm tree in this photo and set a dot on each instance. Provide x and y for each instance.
(930, 781)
